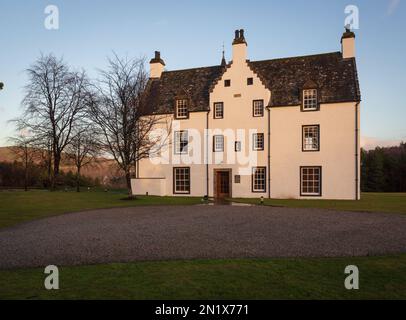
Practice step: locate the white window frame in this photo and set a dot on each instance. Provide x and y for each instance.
(256, 141)
(181, 142)
(258, 108)
(310, 181)
(218, 143)
(182, 111)
(310, 100)
(311, 137)
(255, 179)
(218, 107)
(181, 180)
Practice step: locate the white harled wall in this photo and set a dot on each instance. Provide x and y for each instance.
(336, 155)
(238, 114)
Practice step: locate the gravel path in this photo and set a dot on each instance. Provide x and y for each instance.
(189, 232)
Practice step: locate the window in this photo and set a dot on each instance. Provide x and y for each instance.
(227, 83)
(181, 142)
(258, 141)
(310, 184)
(310, 138)
(258, 108)
(237, 178)
(309, 99)
(218, 110)
(181, 180)
(258, 179)
(250, 81)
(218, 143)
(237, 146)
(181, 109)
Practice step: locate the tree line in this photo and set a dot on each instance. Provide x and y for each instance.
(16, 175)
(67, 113)
(384, 169)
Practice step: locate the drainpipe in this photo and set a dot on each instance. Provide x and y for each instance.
(207, 153)
(356, 152)
(268, 108)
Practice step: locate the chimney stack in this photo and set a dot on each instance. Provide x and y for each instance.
(348, 43)
(156, 66)
(239, 47)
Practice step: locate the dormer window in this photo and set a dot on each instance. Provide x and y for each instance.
(182, 111)
(309, 99)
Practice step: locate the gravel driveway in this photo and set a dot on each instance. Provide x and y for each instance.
(189, 232)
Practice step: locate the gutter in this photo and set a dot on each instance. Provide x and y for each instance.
(356, 153)
(268, 108)
(207, 153)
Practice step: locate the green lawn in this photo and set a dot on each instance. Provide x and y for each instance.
(373, 202)
(20, 206)
(313, 278)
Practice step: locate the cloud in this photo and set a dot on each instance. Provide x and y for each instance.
(369, 143)
(393, 4)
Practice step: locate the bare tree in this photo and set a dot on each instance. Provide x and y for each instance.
(55, 97)
(119, 112)
(83, 149)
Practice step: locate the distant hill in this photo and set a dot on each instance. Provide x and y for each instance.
(104, 169)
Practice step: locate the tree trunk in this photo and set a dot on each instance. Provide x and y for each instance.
(26, 169)
(57, 161)
(26, 178)
(128, 181)
(78, 180)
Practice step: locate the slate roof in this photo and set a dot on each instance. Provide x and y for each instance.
(336, 79)
(192, 84)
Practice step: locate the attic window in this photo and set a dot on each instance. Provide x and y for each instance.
(181, 109)
(309, 99)
(218, 110)
(250, 81)
(258, 108)
(227, 83)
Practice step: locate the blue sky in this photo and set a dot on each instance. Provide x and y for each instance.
(191, 34)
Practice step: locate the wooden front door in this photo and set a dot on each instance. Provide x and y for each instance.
(223, 184)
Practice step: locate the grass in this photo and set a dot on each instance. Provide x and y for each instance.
(312, 278)
(20, 206)
(372, 202)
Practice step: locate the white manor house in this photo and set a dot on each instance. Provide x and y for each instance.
(279, 128)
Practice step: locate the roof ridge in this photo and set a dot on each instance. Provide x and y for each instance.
(265, 60)
(297, 57)
(186, 69)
